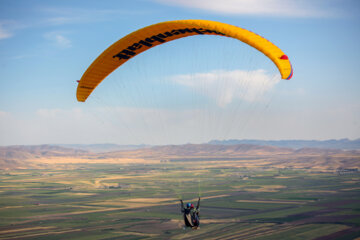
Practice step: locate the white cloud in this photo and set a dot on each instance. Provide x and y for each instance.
(129, 125)
(61, 16)
(278, 8)
(19, 57)
(123, 125)
(4, 114)
(58, 39)
(62, 41)
(62, 20)
(226, 86)
(46, 126)
(4, 33)
(56, 113)
(9, 27)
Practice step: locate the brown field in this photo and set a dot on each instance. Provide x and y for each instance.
(273, 201)
(256, 196)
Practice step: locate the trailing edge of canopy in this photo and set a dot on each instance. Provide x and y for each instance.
(153, 35)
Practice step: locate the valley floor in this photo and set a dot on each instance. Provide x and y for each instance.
(141, 201)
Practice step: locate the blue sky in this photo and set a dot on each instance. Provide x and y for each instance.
(166, 95)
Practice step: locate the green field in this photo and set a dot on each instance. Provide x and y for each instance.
(142, 202)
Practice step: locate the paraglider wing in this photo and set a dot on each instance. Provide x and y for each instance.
(151, 36)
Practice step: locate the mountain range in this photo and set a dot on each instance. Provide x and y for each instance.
(344, 144)
(296, 144)
(47, 156)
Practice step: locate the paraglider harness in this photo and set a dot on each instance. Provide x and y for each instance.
(191, 215)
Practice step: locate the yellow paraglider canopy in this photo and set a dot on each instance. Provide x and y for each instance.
(153, 35)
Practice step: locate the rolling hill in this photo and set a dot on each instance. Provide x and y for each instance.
(47, 156)
(345, 143)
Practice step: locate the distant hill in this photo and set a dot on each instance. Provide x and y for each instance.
(248, 155)
(25, 151)
(100, 148)
(17, 156)
(296, 144)
(202, 150)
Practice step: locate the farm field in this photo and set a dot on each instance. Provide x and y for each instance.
(141, 201)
